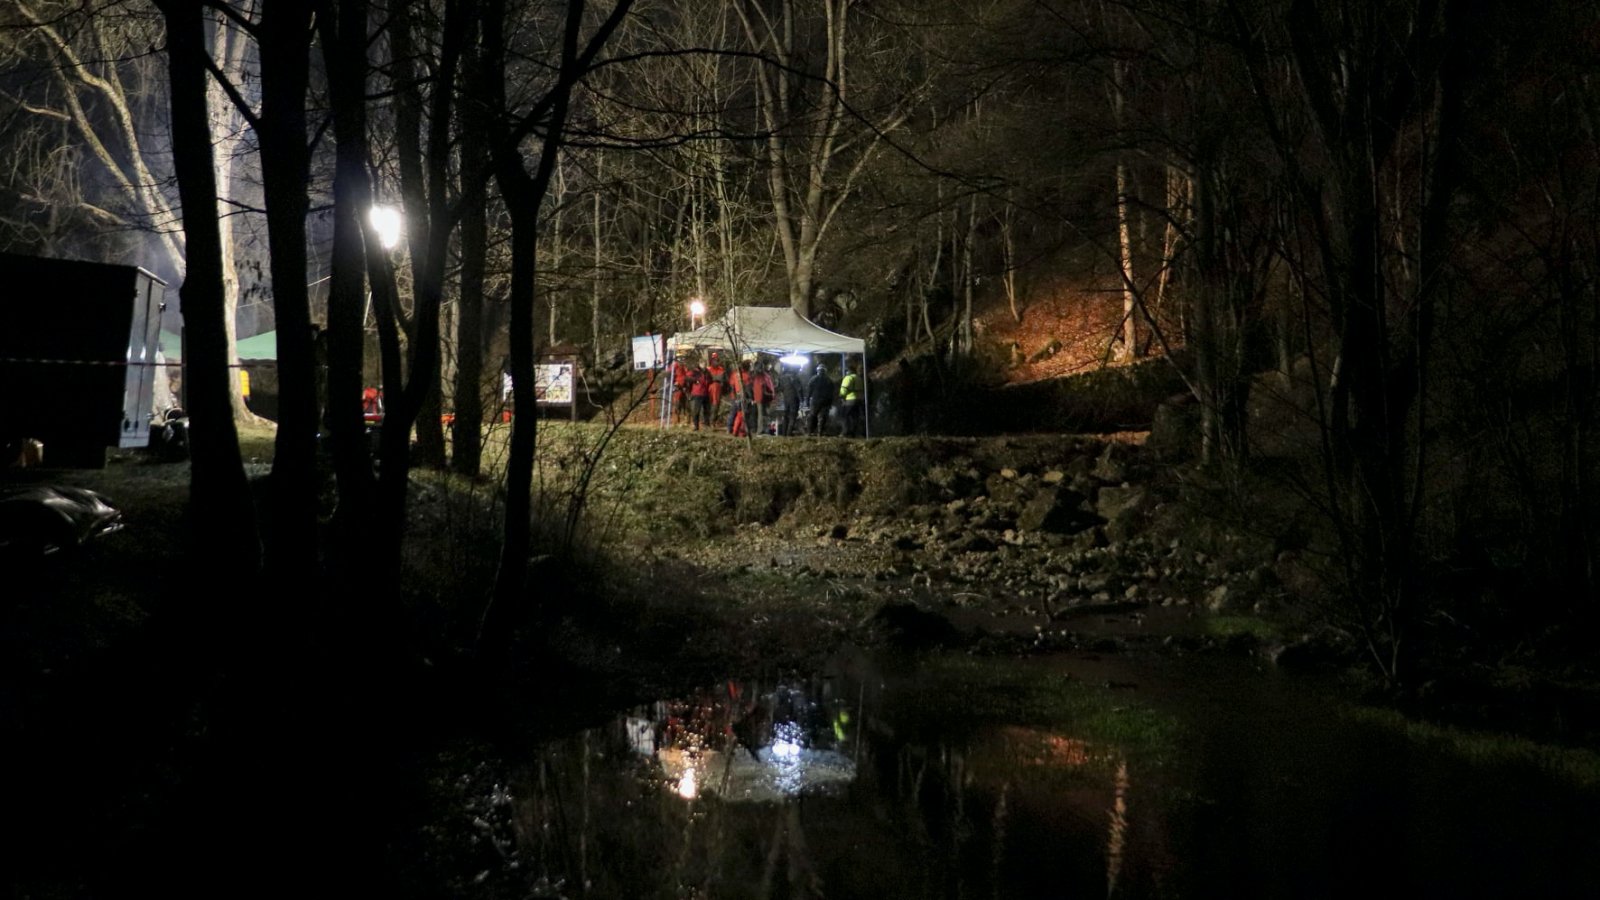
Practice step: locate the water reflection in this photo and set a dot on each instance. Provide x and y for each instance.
(857, 784)
(1117, 841)
(744, 743)
(812, 787)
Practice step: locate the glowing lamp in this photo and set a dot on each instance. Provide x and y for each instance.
(385, 220)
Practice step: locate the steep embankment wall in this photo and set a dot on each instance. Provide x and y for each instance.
(658, 483)
(1064, 520)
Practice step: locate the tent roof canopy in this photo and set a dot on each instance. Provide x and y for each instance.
(263, 346)
(767, 329)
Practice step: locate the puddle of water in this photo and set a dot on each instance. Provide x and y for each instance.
(1040, 778)
(742, 744)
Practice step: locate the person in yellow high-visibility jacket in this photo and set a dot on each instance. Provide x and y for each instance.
(850, 401)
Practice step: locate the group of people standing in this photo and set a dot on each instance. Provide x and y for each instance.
(845, 395)
(748, 399)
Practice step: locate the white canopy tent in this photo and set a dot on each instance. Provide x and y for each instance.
(768, 329)
(777, 330)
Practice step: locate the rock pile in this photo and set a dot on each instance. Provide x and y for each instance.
(1058, 533)
(1098, 529)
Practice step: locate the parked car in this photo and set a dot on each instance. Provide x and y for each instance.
(36, 520)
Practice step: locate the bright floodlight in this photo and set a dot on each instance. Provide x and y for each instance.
(794, 359)
(696, 308)
(386, 222)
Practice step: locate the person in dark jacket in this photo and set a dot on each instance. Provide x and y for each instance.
(820, 391)
(788, 401)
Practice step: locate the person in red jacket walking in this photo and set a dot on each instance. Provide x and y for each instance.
(761, 392)
(699, 382)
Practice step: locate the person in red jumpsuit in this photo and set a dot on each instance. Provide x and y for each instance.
(699, 397)
(761, 398)
(719, 378)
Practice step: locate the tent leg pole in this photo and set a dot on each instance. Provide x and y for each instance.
(664, 407)
(866, 400)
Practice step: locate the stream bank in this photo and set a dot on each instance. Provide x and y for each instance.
(1008, 617)
(1050, 540)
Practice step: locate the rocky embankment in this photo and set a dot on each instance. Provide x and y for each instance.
(1056, 540)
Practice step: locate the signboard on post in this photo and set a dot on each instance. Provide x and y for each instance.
(552, 383)
(650, 351)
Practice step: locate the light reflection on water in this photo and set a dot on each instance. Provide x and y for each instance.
(773, 774)
(744, 744)
(851, 786)
(806, 788)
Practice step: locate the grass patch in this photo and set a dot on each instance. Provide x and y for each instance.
(257, 441)
(1227, 626)
(1000, 691)
(1576, 767)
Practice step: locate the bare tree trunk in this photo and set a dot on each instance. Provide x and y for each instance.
(1202, 319)
(470, 396)
(227, 135)
(967, 277)
(802, 161)
(1375, 460)
(594, 274)
(929, 281)
(224, 521)
(407, 389)
(911, 291)
(554, 251)
(1008, 249)
(430, 452)
(957, 276)
(1130, 298)
(1179, 194)
(467, 430)
(524, 194)
(1286, 324)
(343, 34)
(726, 234)
(113, 137)
(285, 50)
(517, 534)
(423, 178)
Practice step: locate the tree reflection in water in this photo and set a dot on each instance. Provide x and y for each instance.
(813, 788)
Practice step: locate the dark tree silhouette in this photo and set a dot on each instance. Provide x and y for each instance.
(524, 193)
(223, 521)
